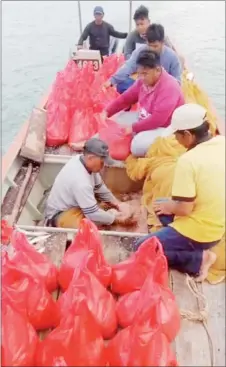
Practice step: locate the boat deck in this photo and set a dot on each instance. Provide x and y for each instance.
(201, 341)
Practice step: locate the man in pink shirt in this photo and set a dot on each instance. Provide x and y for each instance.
(158, 95)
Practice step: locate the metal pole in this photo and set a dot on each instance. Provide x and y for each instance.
(130, 15)
(80, 17)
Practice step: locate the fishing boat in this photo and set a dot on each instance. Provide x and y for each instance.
(25, 185)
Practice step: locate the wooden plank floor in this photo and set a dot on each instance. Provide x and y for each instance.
(215, 295)
(192, 345)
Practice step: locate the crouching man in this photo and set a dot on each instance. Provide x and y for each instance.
(78, 189)
(194, 220)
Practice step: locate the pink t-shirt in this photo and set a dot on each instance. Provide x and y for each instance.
(157, 103)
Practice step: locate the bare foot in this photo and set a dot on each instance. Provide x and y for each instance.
(208, 260)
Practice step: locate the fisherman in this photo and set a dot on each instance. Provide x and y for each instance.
(158, 94)
(99, 33)
(155, 41)
(77, 188)
(138, 37)
(194, 219)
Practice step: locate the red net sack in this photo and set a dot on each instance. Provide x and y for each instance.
(153, 305)
(130, 275)
(87, 240)
(126, 308)
(100, 302)
(111, 64)
(58, 118)
(6, 232)
(18, 339)
(102, 98)
(76, 342)
(31, 262)
(30, 297)
(157, 305)
(118, 142)
(135, 346)
(83, 127)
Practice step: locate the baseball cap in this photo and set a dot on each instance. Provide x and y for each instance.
(98, 10)
(99, 148)
(188, 116)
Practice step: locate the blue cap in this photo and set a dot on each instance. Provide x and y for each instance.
(98, 10)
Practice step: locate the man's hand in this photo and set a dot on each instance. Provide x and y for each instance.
(125, 220)
(107, 84)
(128, 130)
(164, 207)
(111, 205)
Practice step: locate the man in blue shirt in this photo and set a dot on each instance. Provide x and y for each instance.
(156, 42)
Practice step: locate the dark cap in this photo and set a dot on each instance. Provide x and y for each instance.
(99, 148)
(98, 10)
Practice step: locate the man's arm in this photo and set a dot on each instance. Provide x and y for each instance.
(183, 191)
(115, 33)
(129, 46)
(175, 68)
(102, 192)
(128, 68)
(86, 200)
(84, 35)
(164, 106)
(127, 99)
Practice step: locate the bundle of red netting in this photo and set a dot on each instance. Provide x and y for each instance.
(106, 315)
(76, 101)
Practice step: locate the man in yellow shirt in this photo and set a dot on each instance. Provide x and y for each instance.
(194, 219)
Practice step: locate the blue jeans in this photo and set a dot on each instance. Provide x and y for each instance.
(182, 253)
(123, 86)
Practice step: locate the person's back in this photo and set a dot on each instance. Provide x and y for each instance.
(206, 222)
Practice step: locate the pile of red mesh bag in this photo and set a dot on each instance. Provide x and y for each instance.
(120, 315)
(77, 95)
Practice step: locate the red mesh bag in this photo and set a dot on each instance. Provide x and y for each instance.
(130, 275)
(154, 305)
(118, 142)
(135, 346)
(126, 308)
(30, 297)
(100, 302)
(87, 240)
(6, 232)
(75, 342)
(83, 127)
(18, 338)
(31, 262)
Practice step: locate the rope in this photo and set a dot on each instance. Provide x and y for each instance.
(201, 316)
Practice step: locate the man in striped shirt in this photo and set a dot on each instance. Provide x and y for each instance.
(79, 187)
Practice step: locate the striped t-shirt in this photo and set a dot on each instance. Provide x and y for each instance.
(75, 187)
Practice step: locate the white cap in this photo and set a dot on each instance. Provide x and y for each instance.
(188, 116)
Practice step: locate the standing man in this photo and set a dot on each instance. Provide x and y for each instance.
(99, 33)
